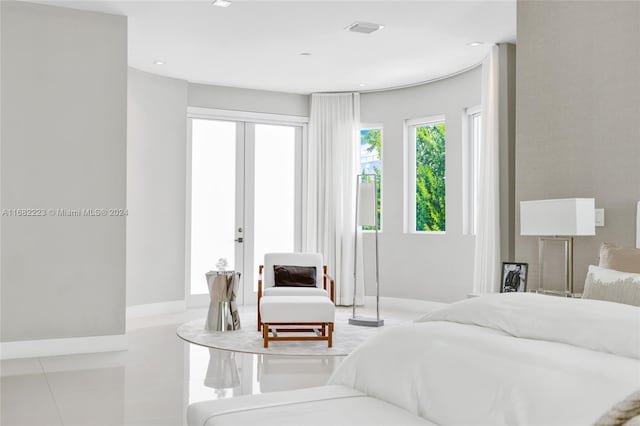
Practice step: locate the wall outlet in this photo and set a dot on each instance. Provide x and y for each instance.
(599, 217)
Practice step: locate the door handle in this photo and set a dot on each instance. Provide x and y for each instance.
(239, 239)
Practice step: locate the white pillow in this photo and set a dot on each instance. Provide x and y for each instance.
(614, 286)
(623, 259)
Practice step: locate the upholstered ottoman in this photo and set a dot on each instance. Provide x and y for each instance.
(297, 314)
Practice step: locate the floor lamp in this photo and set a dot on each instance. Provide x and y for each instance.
(558, 221)
(366, 215)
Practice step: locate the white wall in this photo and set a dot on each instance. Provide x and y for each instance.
(232, 98)
(578, 109)
(432, 267)
(156, 164)
(156, 168)
(64, 88)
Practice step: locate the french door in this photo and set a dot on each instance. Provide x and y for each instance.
(244, 195)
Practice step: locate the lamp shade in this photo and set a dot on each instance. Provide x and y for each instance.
(562, 217)
(366, 204)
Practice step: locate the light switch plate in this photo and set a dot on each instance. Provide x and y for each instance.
(599, 217)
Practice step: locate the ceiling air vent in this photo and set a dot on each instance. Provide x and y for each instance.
(364, 27)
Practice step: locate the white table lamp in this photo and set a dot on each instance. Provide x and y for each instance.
(558, 220)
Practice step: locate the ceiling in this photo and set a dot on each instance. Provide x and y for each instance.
(257, 44)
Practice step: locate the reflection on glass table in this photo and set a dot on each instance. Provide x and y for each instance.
(218, 374)
(277, 373)
(222, 371)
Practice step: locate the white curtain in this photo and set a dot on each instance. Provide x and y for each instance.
(329, 204)
(486, 270)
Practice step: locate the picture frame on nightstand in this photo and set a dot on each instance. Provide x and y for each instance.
(514, 277)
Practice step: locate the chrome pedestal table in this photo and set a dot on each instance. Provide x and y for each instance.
(223, 309)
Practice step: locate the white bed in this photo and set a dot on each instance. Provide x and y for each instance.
(498, 359)
(321, 406)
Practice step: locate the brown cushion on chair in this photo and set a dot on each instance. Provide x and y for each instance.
(623, 259)
(294, 276)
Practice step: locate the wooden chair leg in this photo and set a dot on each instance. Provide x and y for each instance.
(330, 337)
(259, 316)
(265, 334)
(260, 267)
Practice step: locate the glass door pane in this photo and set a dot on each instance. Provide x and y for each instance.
(274, 198)
(213, 198)
(245, 198)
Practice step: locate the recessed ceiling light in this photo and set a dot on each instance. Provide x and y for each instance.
(158, 62)
(221, 3)
(364, 27)
(474, 43)
(305, 54)
(361, 84)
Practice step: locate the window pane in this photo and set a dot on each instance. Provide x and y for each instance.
(370, 163)
(213, 194)
(274, 192)
(430, 177)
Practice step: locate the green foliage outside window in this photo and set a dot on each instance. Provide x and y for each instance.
(430, 177)
(371, 140)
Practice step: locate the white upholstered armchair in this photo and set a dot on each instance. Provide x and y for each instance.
(294, 289)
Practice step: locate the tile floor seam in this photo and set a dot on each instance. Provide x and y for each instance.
(53, 397)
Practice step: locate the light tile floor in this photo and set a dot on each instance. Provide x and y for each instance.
(152, 383)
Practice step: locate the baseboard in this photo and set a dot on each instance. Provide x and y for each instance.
(200, 300)
(151, 309)
(65, 346)
(412, 305)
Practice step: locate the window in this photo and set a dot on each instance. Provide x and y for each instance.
(426, 174)
(471, 169)
(371, 162)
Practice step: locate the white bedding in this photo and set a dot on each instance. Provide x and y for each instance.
(504, 359)
(320, 406)
(592, 324)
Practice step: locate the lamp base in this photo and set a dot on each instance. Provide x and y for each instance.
(567, 242)
(366, 322)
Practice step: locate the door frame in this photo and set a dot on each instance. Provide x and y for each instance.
(244, 120)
